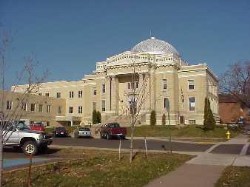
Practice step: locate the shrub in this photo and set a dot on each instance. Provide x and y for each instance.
(163, 119)
(94, 117)
(153, 118)
(99, 117)
(209, 121)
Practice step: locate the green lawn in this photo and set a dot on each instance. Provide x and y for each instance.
(189, 131)
(235, 177)
(98, 168)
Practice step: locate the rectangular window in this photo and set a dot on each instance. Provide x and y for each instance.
(79, 109)
(94, 105)
(71, 109)
(103, 88)
(164, 84)
(103, 105)
(137, 84)
(24, 106)
(132, 85)
(192, 122)
(48, 108)
(9, 105)
(191, 84)
(166, 103)
(58, 95)
(191, 103)
(59, 110)
(71, 94)
(47, 94)
(32, 107)
(80, 94)
(94, 92)
(40, 108)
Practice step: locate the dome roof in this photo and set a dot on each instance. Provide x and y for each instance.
(154, 46)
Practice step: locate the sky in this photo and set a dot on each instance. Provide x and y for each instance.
(67, 38)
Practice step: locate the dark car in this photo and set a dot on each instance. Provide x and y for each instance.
(60, 132)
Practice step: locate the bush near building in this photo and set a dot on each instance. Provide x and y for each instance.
(163, 119)
(153, 118)
(209, 121)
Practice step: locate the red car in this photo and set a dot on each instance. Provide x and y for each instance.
(37, 127)
(110, 130)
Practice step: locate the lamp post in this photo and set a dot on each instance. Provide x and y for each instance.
(167, 106)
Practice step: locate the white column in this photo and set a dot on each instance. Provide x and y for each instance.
(114, 92)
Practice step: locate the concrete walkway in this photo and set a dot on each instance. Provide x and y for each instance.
(206, 168)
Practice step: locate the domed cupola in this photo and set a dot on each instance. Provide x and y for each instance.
(154, 46)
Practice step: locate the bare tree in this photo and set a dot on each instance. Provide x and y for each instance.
(236, 81)
(136, 103)
(27, 74)
(3, 47)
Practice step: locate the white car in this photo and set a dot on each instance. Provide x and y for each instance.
(84, 132)
(17, 134)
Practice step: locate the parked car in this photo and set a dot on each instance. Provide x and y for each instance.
(37, 127)
(60, 131)
(233, 126)
(18, 134)
(111, 130)
(84, 132)
(246, 129)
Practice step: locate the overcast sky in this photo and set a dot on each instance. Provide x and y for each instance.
(69, 37)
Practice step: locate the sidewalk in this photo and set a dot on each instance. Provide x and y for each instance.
(205, 169)
(190, 175)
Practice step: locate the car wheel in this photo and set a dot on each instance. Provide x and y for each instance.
(29, 148)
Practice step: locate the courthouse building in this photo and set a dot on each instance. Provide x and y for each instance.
(150, 76)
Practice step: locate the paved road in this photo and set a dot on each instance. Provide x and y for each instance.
(159, 145)
(152, 144)
(139, 144)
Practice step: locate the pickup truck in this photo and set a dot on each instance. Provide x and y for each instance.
(18, 134)
(110, 130)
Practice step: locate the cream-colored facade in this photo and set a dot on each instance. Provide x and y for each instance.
(33, 108)
(152, 75)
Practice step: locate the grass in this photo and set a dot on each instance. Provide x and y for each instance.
(98, 168)
(190, 131)
(235, 177)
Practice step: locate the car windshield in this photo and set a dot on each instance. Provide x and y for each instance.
(114, 125)
(11, 125)
(21, 126)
